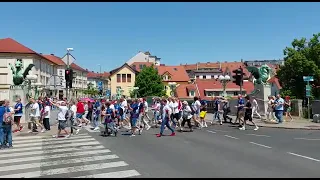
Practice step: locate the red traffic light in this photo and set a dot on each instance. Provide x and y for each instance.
(67, 72)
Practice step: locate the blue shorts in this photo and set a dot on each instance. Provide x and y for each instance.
(133, 122)
(79, 115)
(123, 117)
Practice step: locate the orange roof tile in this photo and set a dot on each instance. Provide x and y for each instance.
(54, 59)
(97, 75)
(183, 89)
(201, 65)
(9, 45)
(139, 65)
(275, 80)
(177, 73)
(77, 67)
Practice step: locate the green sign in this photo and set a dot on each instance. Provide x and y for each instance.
(308, 87)
(307, 78)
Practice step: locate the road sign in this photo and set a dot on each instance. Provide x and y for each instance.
(307, 78)
(308, 90)
(71, 59)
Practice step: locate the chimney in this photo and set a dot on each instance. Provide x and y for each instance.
(40, 53)
(198, 65)
(52, 54)
(242, 60)
(220, 65)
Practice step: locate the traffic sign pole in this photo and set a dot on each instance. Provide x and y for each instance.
(308, 91)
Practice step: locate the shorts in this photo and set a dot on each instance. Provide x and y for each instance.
(240, 114)
(176, 116)
(133, 122)
(196, 114)
(123, 116)
(203, 114)
(16, 119)
(248, 117)
(62, 124)
(35, 120)
(79, 115)
(288, 109)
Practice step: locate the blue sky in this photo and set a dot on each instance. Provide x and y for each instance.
(111, 33)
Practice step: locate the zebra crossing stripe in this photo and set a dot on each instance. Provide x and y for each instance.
(117, 174)
(58, 162)
(49, 139)
(72, 169)
(51, 143)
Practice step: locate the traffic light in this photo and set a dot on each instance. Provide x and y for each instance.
(69, 77)
(238, 77)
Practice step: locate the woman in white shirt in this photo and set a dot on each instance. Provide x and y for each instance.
(186, 115)
(46, 114)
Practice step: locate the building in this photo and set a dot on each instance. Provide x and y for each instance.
(93, 79)
(122, 78)
(138, 66)
(173, 77)
(10, 51)
(79, 81)
(262, 62)
(144, 57)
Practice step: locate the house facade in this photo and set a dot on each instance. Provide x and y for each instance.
(93, 79)
(122, 78)
(144, 57)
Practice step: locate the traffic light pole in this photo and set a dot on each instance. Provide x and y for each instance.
(68, 66)
(241, 82)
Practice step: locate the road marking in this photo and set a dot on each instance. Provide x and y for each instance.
(260, 145)
(313, 159)
(211, 131)
(84, 141)
(117, 174)
(58, 162)
(49, 139)
(220, 130)
(73, 154)
(308, 139)
(231, 137)
(259, 135)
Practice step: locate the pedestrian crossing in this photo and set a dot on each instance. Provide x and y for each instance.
(79, 156)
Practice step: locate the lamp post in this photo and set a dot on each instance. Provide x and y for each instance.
(224, 79)
(135, 91)
(172, 87)
(68, 66)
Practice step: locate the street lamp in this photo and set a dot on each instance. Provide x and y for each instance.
(135, 89)
(224, 79)
(68, 66)
(172, 87)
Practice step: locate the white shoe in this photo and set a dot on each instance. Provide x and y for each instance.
(205, 124)
(96, 129)
(256, 128)
(77, 131)
(30, 131)
(43, 130)
(148, 127)
(67, 136)
(242, 128)
(220, 122)
(132, 135)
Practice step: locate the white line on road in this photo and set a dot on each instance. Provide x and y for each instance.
(260, 145)
(117, 174)
(313, 159)
(220, 130)
(308, 139)
(259, 135)
(48, 144)
(211, 131)
(231, 137)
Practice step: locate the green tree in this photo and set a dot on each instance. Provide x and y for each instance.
(302, 59)
(149, 83)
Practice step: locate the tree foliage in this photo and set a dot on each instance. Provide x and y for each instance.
(302, 59)
(149, 83)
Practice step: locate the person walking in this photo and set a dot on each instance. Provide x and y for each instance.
(17, 115)
(73, 118)
(287, 105)
(279, 107)
(240, 110)
(6, 121)
(248, 114)
(62, 119)
(35, 116)
(166, 116)
(255, 107)
(226, 110)
(46, 116)
(186, 116)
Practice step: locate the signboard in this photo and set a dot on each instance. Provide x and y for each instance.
(307, 78)
(71, 59)
(308, 90)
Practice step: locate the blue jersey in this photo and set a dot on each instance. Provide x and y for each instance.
(135, 110)
(240, 102)
(108, 117)
(117, 109)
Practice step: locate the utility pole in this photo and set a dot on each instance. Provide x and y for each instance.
(241, 81)
(68, 66)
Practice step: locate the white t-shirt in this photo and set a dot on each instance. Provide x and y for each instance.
(187, 112)
(174, 107)
(157, 107)
(112, 107)
(86, 107)
(48, 110)
(74, 110)
(165, 109)
(196, 105)
(145, 104)
(35, 110)
(270, 108)
(254, 103)
(124, 105)
(62, 113)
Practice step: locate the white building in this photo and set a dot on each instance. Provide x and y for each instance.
(79, 81)
(94, 78)
(144, 57)
(10, 51)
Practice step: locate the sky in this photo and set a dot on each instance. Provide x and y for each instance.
(111, 33)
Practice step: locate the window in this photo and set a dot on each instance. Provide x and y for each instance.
(118, 78)
(204, 77)
(124, 78)
(197, 76)
(191, 93)
(128, 77)
(235, 93)
(140, 66)
(60, 72)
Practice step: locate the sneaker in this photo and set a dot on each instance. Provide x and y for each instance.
(220, 122)
(43, 130)
(148, 127)
(242, 128)
(256, 128)
(140, 131)
(158, 135)
(96, 129)
(21, 127)
(30, 131)
(67, 136)
(132, 135)
(77, 131)
(191, 130)
(205, 125)
(173, 134)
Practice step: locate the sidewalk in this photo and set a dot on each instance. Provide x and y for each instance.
(296, 123)
(25, 133)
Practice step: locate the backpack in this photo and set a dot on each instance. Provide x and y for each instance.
(7, 117)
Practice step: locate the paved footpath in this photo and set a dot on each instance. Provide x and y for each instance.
(297, 123)
(40, 155)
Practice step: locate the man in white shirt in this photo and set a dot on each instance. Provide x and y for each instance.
(46, 114)
(73, 108)
(196, 108)
(63, 110)
(145, 112)
(175, 111)
(35, 116)
(166, 114)
(255, 107)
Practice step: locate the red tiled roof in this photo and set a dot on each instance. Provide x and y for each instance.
(177, 73)
(204, 84)
(9, 45)
(137, 65)
(183, 89)
(76, 67)
(97, 75)
(54, 59)
(275, 80)
(201, 65)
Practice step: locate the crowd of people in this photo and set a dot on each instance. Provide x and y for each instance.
(132, 114)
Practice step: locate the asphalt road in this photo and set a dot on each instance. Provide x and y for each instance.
(220, 151)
